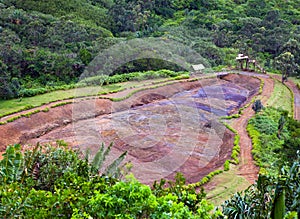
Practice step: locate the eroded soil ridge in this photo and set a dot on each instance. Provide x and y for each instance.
(165, 130)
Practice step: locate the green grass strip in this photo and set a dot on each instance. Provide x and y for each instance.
(292, 95)
(61, 104)
(204, 180)
(26, 115)
(118, 99)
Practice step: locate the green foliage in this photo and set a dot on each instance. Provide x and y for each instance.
(268, 151)
(32, 92)
(186, 194)
(85, 56)
(52, 182)
(52, 42)
(279, 205)
(238, 207)
(132, 199)
(226, 165)
(45, 110)
(117, 99)
(11, 166)
(138, 76)
(14, 118)
(112, 170)
(257, 106)
(271, 197)
(205, 179)
(236, 147)
(61, 104)
(286, 63)
(256, 145)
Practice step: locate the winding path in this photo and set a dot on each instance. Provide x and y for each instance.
(247, 167)
(296, 92)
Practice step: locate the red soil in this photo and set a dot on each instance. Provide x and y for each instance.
(59, 123)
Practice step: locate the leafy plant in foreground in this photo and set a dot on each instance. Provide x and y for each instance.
(11, 166)
(271, 196)
(112, 170)
(76, 190)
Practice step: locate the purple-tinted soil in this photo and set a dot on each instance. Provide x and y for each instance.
(165, 130)
(197, 98)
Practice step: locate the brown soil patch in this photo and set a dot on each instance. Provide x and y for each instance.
(247, 168)
(167, 140)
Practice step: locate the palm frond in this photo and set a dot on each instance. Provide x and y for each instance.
(113, 169)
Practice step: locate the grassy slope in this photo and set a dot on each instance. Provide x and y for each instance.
(281, 97)
(16, 104)
(295, 80)
(227, 184)
(7, 106)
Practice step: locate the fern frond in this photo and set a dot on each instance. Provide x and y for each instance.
(113, 168)
(98, 157)
(87, 154)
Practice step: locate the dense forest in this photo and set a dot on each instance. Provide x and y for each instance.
(49, 43)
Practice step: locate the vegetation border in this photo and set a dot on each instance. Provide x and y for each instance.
(292, 94)
(28, 107)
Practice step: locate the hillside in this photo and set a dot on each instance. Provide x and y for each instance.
(104, 115)
(51, 42)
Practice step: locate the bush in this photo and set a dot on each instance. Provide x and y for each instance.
(268, 151)
(138, 76)
(226, 165)
(32, 92)
(61, 104)
(257, 106)
(54, 182)
(46, 110)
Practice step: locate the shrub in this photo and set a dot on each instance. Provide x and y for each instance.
(54, 182)
(3, 123)
(61, 104)
(32, 92)
(138, 76)
(45, 110)
(257, 106)
(226, 165)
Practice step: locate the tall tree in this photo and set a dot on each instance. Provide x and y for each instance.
(293, 46)
(285, 62)
(5, 86)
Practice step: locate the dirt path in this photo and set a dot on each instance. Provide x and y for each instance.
(296, 92)
(247, 168)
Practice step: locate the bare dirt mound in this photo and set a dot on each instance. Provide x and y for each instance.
(165, 130)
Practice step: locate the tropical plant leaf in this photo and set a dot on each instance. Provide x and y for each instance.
(113, 168)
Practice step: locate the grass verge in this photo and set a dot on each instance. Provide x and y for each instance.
(282, 97)
(225, 185)
(9, 107)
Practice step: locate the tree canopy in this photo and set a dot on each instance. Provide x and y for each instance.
(51, 42)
